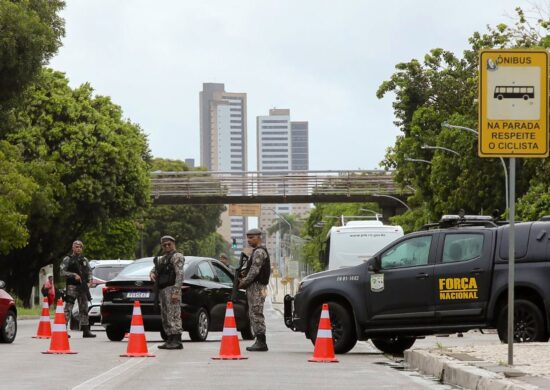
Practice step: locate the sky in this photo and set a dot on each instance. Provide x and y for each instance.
(323, 60)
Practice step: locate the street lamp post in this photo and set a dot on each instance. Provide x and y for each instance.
(445, 124)
(394, 198)
(417, 160)
(440, 148)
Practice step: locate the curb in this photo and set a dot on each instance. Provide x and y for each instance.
(460, 373)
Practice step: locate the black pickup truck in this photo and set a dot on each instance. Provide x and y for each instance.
(448, 278)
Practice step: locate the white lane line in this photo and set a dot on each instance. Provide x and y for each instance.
(97, 381)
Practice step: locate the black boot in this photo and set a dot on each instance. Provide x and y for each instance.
(86, 332)
(174, 342)
(166, 343)
(259, 345)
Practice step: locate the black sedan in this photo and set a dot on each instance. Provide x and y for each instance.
(206, 289)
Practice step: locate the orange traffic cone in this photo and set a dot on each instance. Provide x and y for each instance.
(44, 330)
(324, 348)
(229, 348)
(137, 345)
(60, 340)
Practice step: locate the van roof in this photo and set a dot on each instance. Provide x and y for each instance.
(364, 223)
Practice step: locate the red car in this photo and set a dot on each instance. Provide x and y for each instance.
(8, 316)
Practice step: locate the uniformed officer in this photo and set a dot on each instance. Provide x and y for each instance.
(255, 278)
(167, 273)
(78, 274)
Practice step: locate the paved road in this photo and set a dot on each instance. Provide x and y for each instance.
(98, 365)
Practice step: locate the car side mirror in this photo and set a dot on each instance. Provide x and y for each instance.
(2, 284)
(374, 264)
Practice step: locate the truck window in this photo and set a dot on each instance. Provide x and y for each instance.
(462, 247)
(409, 253)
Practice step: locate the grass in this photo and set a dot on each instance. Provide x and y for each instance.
(25, 311)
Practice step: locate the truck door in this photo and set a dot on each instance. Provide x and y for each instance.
(402, 292)
(463, 276)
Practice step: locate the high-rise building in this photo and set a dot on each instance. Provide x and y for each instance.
(282, 145)
(223, 145)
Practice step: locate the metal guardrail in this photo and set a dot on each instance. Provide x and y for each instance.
(190, 187)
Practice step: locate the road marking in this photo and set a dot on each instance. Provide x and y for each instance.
(99, 380)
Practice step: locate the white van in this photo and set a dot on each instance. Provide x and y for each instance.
(357, 242)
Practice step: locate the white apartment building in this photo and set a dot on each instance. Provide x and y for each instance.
(275, 153)
(223, 146)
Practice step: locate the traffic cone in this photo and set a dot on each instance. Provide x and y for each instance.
(137, 345)
(229, 348)
(324, 347)
(44, 330)
(60, 341)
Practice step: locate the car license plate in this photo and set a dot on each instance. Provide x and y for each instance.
(138, 294)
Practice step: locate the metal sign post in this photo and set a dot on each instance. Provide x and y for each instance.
(513, 112)
(511, 262)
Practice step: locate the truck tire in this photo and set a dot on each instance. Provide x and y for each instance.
(528, 323)
(394, 345)
(343, 329)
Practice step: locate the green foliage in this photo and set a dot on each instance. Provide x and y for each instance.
(115, 239)
(191, 225)
(31, 32)
(90, 166)
(286, 224)
(443, 88)
(211, 246)
(16, 189)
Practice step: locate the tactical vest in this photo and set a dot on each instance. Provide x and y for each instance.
(265, 270)
(166, 274)
(75, 267)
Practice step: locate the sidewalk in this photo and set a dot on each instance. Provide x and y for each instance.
(475, 365)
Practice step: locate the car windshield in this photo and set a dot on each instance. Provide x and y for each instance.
(107, 272)
(140, 269)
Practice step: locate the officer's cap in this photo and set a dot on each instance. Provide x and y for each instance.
(78, 242)
(167, 238)
(254, 232)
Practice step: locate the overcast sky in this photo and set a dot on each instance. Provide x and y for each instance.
(324, 60)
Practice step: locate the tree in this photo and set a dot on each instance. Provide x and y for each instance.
(16, 189)
(90, 165)
(286, 224)
(30, 35)
(191, 225)
(443, 88)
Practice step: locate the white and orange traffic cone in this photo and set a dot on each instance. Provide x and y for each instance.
(60, 341)
(44, 330)
(229, 348)
(324, 347)
(137, 345)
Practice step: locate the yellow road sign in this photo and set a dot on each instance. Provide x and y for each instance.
(513, 103)
(245, 210)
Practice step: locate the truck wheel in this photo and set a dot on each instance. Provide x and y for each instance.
(343, 330)
(115, 334)
(394, 345)
(528, 323)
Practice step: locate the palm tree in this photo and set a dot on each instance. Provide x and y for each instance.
(286, 224)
